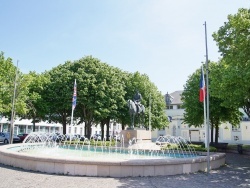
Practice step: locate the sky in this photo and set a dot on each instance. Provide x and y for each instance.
(161, 38)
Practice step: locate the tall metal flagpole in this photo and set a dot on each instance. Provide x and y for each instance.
(73, 103)
(13, 108)
(149, 118)
(208, 127)
(204, 106)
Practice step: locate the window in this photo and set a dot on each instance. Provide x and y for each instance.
(22, 129)
(236, 128)
(6, 128)
(179, 106)
(30, 129)
(169, 106)
(42, 128)
(52, 129)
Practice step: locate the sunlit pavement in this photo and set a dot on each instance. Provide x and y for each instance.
(236, 173)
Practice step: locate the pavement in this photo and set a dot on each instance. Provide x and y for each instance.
(235, 173)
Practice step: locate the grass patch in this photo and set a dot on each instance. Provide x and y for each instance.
(200, 148)
(92, 143)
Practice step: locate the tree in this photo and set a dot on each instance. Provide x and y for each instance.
(7, 77)
(99, 92)
(57, 94)
(233, 40)
(11, 75)
(194, 114)
(36, 106)
(136, 81)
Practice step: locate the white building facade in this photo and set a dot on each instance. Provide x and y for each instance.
(227, 132)
(26, 126)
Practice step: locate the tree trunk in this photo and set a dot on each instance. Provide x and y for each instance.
(216, 133)
(64, 122)
(87, 129)
(102, 129)
(212, 133)
(123, 126)
(107, 131)
(64, 128)
(34, 124)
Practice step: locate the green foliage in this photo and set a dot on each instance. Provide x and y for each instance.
(219, 113)
(192, 146)
(136, 81)
(92, 143)
(7, 77)
(102, 94)
(233, 40)
(9, 74)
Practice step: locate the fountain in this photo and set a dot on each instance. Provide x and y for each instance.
(50, 153)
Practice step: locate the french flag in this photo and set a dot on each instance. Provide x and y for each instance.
(74, 97)
(202, 87)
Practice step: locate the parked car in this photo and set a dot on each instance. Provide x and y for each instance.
(22, 136)
(5, 138)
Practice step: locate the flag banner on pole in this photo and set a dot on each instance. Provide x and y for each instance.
(202, 87)
(74, 97)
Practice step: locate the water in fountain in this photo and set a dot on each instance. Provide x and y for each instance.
(60, 145)
(176, 146)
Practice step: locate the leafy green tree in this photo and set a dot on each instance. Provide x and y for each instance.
(194, 114)
(7, 78)
(136, 81)
(113, 97)
(100, 92)
(36, 106)
(10, 76)
(233, 40)
(57, 94)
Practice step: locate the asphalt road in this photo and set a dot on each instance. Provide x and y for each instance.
(236, 173)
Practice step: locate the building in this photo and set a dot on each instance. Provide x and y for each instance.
(227, 133)
(26, 126)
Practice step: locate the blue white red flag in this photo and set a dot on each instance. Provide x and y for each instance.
(74, 97)
(202, 87)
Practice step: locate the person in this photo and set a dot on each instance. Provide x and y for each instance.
(137, 100)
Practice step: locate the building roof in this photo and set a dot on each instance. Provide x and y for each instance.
(175, 97)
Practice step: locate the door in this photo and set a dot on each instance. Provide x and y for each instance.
(195, 136)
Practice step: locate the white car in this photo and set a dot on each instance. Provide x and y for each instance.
(5, 138)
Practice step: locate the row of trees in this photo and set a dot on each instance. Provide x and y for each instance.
(228, 79)
(102, 94)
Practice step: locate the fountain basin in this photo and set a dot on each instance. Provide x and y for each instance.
(114, 167)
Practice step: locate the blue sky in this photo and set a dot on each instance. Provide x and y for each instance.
(161, 38)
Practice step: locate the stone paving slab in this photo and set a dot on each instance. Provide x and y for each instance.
(236, 173)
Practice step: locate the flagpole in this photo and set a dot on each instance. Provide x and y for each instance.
(204, 107)
(73, 103)
(207, 95)
(149, 116)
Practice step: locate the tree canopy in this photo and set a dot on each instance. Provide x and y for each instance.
(102, 94)
(194, 111)
(233, 40)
